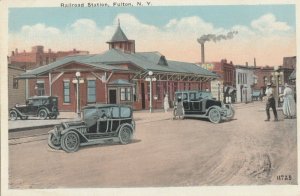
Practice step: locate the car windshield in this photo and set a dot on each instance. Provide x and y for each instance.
(204, 95)
(104, 112)
(54, 100)
(88, 112)
(125, 112)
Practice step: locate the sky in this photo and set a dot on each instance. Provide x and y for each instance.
(264, 32)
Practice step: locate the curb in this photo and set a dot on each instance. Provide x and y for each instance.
(52, 125)
(30, 128)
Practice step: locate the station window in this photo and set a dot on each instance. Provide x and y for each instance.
(125, 94)
(67, 92)
(91, 91)
(40, 87)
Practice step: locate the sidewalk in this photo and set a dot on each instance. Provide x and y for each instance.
(142, 116)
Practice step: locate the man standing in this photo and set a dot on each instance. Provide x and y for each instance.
(270, 103)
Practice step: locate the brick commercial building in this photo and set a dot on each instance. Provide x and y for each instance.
(263, 76)
(225, 86)
(278, 77)
(119, 75)
(38, 57)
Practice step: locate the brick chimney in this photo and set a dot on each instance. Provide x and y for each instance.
(246, 64)
(254, 62)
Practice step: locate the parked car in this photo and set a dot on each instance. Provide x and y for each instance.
(201, 104)
(100, 124)
(37, 106)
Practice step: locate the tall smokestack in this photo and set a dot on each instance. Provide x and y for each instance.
(202, 53)
(215, 38)
(254, 62)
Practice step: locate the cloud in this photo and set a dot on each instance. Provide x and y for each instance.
(268, 24)
(39, 29)
(177, 39)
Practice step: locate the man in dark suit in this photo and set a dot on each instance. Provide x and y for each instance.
(270, 103)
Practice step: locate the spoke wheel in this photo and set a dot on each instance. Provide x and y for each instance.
(230, 113)
(174, 114)
(43, 114)
(125, 135)
(53, 116)
(53, 142)
(24, 117)
(13, 115)
(214, 115)
(70, 142)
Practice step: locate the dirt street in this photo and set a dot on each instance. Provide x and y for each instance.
(190, 152)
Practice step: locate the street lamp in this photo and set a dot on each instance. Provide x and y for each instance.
(36, 89)
(77, 74)
(150, 78)
(278, 74)
(245, 86)
(219, 90)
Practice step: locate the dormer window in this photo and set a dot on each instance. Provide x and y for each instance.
(162, 61)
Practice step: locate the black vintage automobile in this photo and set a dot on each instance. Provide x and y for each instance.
(38, 106)
(201, 104)
(101, 123)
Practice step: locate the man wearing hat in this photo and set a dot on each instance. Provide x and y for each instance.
(270, 103)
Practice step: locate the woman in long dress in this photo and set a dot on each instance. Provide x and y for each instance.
(289, 106)
(166, 103)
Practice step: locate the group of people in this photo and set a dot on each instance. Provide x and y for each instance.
(288, 107)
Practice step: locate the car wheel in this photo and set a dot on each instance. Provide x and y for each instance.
(13, 115)
(174, 114)
(43, 114)
(230, 113)
(53, 142)
(53, 116)
(24, 117)
(70, 142)
(214, 115)
(125, 135)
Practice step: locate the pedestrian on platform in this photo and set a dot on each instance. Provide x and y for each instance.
(270, 103)
(166, 103)
(289, 106)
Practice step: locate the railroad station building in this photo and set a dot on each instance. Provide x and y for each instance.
(119, 75)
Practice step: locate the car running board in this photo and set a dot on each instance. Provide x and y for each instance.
(100, 141)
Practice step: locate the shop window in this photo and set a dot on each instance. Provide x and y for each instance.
(91, 91)
(15, 82)
(67, 92)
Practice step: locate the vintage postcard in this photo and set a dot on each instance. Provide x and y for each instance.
(149, 97)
